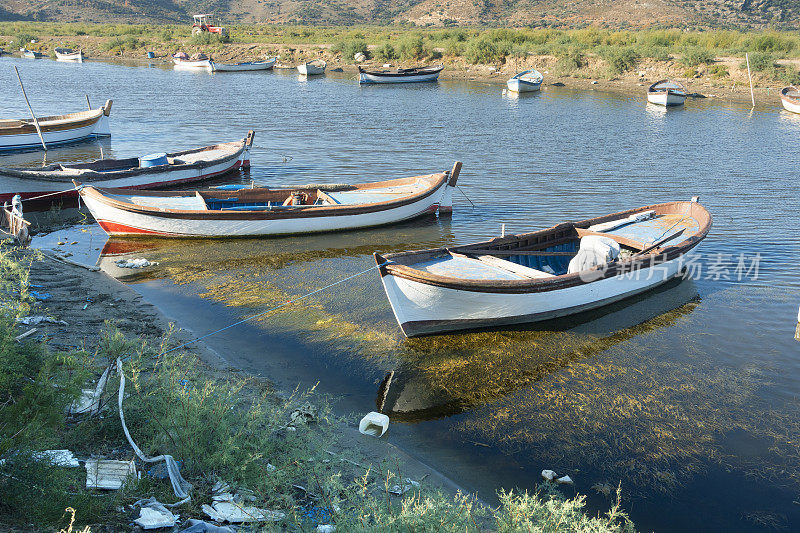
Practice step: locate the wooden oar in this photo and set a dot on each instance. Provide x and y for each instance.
(35, 120)
(659, 243)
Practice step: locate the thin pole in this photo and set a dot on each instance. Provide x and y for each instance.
(87, 102)
(35, 120)
(752, 96)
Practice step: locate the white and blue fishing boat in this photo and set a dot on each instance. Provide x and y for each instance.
(244, 66)
(668, 93)
(30, 54)
(399, 75)
(524, 82)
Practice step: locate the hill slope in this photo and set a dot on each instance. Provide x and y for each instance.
(635, 13)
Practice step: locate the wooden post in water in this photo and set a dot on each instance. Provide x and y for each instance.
(797, 331)
(35, 120)
(750, 77)
(88, 103)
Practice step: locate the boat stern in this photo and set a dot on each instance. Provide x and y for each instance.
(248, 142)
(446, 203)
(101, 128)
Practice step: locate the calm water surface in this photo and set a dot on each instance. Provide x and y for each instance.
(688, 396)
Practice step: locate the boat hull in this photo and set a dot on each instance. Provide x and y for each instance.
(790, 104)
(76, 57)
(120, 222)
(666, 99)
(204, 64)
(58, 134)
(423, 309)
(366, 78)
(522, 86)
(243, 67)
(307, 69)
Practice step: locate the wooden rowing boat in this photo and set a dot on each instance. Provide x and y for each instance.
(667, 93)
(265, 211)
(400, 75)
(244, 67)
(566, 269)
(20, 134)
(68, 54)
(790, 98)
(197, 62)
(179, 167)
(30, 54)
(312, 68)
(528, 81)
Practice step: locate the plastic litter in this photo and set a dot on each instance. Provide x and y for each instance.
(404, 487)
(326, 528)
(108, 474)
(237, 514)
(304, 414)
(548, 475)
(41, 295)
(89, 402)
(25, 335)
(141, 262)
(374, 424)
(63, 458)
(154, 514)
(194, 525)
(38, 319)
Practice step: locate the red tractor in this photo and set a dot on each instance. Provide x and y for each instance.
(206, 23)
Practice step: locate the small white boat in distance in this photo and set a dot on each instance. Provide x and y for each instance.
(400, 75)
(30, 54)
(68, 54)
(566, 269)
(265, 211)
(197, 62)
(21, 134)
(267, 64)
(146, 172)
(528, 81)
(312, 68)
(667, 93)
(790, 98)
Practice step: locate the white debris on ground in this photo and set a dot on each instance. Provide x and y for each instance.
(404, 487)
(193, 525)
(154, 514)
(108, 474)
(234, 513)
(305, 414)
(141, 262)
(36, 320)
(63, 458)
(325, 528)
(565, 480)
(374, 424)
(548, 475)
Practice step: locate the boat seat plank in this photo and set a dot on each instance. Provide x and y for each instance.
(526, 272)
(463, 267)
(651, 230)
(193, 203)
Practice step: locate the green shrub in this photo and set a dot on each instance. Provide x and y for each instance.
(694, 55)
(619, 60)
(411, 48)
(23, 40)
(485, 51)
(718, 71)
(206, 37)
(350, 48)
(385, 52)
(760, 62)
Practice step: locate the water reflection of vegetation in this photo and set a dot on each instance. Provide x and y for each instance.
(638, 403)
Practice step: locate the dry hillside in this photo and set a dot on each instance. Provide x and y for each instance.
(616, 13)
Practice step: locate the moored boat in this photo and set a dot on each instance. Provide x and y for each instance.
(667, 93)
(21, 134)
(267, 64)
(30, 54)
(68, 54)
(790, 98)
(265, 212)
(566, 269)
(312, 68)
(400, 75)
(528, 81)
(182, 61)
(135, 173)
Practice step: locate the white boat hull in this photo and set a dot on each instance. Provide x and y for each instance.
(423, 309)
(116, 221)
(522, 86)
(788, 105)
(369, 78)
(666, 99)
(204, 64)
(243, 67)
(76, 57)
(53, 138)
(307, 69)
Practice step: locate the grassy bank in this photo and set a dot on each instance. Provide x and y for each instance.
(585, 52)
(220, 426)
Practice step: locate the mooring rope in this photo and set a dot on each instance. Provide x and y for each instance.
(49, 194)
(284, 304)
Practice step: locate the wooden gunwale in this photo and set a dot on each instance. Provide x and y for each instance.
(544, 238)
(680, 90)
(786, 96)
(69, 121)
(298, 212)
(416, 71)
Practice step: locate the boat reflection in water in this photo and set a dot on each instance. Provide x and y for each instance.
(223, 255)
(436, 379)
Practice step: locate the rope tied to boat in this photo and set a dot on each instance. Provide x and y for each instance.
(52, 194)
(275, 308)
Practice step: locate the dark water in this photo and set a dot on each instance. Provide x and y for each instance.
(687, 396)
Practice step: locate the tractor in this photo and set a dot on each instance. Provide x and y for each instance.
(206, 23)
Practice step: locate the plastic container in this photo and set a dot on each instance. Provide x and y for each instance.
(153, 160)
(151, 55)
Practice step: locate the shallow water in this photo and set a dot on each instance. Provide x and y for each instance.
(687, 396)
